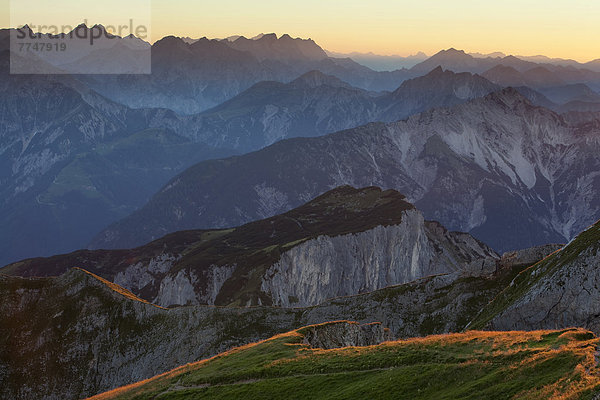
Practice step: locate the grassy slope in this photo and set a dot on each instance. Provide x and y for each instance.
(587, 240)
(491, 365)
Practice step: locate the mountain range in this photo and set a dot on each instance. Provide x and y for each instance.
(380, 62)
(85, 158)
(93, 160)
(510, 173)
(190, 78)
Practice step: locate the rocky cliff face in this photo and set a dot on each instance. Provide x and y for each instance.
(187, 288)
(328, 267)
(339, 334)
(345, 242)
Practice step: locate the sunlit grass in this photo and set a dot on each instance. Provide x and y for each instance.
(116, 288)
(475, 364)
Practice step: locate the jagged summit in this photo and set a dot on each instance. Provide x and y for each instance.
(82, 25)
(270, 47)
(268, 37)
(452, 52)
(170, 41)
(510, 97)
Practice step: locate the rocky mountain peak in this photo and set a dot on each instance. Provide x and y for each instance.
(442, 83)
(453, 52)
(169, 42)
(509, 97)
(269, 47)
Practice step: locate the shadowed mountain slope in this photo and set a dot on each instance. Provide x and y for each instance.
(512, 174)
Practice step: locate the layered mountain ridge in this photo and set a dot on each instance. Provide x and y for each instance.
(513, 174)
(82, 168)
(91, 161)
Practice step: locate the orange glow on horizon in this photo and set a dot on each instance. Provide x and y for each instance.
(555, 28)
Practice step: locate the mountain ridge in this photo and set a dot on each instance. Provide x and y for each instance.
(362, 239)
(417, 155)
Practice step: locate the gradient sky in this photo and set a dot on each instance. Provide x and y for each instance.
(556, 28)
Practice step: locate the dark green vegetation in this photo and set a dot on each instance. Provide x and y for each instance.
(473, 365)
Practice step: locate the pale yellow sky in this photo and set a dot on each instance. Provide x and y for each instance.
(556, 28)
